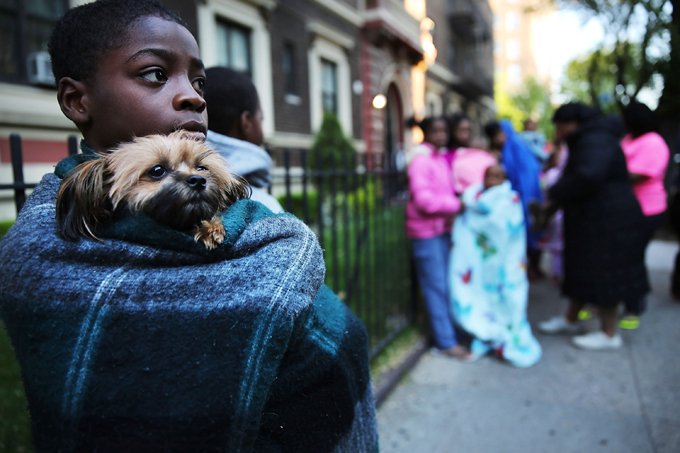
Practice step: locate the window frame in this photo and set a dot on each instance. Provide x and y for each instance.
(288, 68)
(231, 27)
(20, 50)
(328, 47)
(210, 12)
(326, 64)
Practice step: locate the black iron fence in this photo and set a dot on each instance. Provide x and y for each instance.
(356, 207)
(19, 185)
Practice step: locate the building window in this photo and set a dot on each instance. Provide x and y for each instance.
(330, 81)
(233, 47)
(288, 68)
(25, 28)
(329, 86)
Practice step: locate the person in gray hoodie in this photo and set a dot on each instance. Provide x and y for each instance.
(235, 130)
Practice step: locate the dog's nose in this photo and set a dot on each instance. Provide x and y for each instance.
(197, 182)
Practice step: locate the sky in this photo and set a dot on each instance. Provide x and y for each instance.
(564, 36)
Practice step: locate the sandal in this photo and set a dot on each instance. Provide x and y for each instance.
(457, 352)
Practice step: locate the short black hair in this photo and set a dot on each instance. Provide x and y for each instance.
(491, 129)
(426, 123)
(228, 93)
(639, 119)
(455, 120)
(575, 111)
(85, 33)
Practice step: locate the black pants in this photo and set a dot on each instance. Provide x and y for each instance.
(651, 224)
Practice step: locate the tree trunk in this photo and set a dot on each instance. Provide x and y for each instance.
(669, 104)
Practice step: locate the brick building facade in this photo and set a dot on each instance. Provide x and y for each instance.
(304, 56)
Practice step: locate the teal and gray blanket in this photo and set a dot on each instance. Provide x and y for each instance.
(147, 342)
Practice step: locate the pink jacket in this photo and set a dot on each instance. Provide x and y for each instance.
(469, 168)
(432, 202)
(648, 155)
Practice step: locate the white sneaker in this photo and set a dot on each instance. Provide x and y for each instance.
(559, 324)
(597, 341)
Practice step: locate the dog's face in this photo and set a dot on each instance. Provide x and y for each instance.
(176, 181)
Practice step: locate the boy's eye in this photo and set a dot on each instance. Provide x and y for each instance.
(155, 75)
(199, 85)
(157, 172)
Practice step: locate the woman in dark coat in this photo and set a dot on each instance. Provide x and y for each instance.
(603, 259)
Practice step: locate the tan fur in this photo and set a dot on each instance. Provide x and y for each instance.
(210, 232)
(96, 188)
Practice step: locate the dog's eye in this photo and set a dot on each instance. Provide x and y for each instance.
(157, 172)
(201, 168)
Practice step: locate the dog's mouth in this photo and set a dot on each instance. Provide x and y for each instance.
(182, 217)
(182, 209)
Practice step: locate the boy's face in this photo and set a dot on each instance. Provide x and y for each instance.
(494, 176)
(438, 134)
(152, 84)
(463, 133)
(251, 126)
(498, 140)
(565, 129)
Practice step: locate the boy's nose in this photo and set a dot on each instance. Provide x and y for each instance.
(188, 99)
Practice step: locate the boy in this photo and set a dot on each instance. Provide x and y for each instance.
(494, 175)
(235, 119)
(488, 271)
(144, 341)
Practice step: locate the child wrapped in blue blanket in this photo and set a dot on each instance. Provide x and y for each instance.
(488, 271)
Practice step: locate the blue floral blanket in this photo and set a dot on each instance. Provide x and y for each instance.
(488, 279)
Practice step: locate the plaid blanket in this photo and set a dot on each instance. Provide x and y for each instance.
(145, 341)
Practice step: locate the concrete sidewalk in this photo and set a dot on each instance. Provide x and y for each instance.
(572, 401)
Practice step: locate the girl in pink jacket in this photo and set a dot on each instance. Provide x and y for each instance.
(429, 215)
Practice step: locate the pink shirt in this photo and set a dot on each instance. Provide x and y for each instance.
(432, 202)
(469, 167)
(648, 155)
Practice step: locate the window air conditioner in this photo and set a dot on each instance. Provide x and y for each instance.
(39, 69)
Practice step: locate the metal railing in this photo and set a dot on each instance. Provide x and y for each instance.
(356, 208)
(18, 185)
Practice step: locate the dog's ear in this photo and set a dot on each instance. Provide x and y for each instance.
(235, 189)
(82, 201)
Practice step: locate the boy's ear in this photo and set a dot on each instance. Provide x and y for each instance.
(245, 123)
(71, 96)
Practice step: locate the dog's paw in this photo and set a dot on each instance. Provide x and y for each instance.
(210, 233)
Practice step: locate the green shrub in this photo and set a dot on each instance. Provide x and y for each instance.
(297, 206)
(4, 226)
(332, 151)
(15, 430)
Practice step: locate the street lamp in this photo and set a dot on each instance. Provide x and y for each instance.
(379, 101)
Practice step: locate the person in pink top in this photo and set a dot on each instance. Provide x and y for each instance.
(647, 156)
(429, 215)
(469, 164)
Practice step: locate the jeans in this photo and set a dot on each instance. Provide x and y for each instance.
(431, 257)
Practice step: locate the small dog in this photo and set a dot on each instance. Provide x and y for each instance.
(177, 181)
